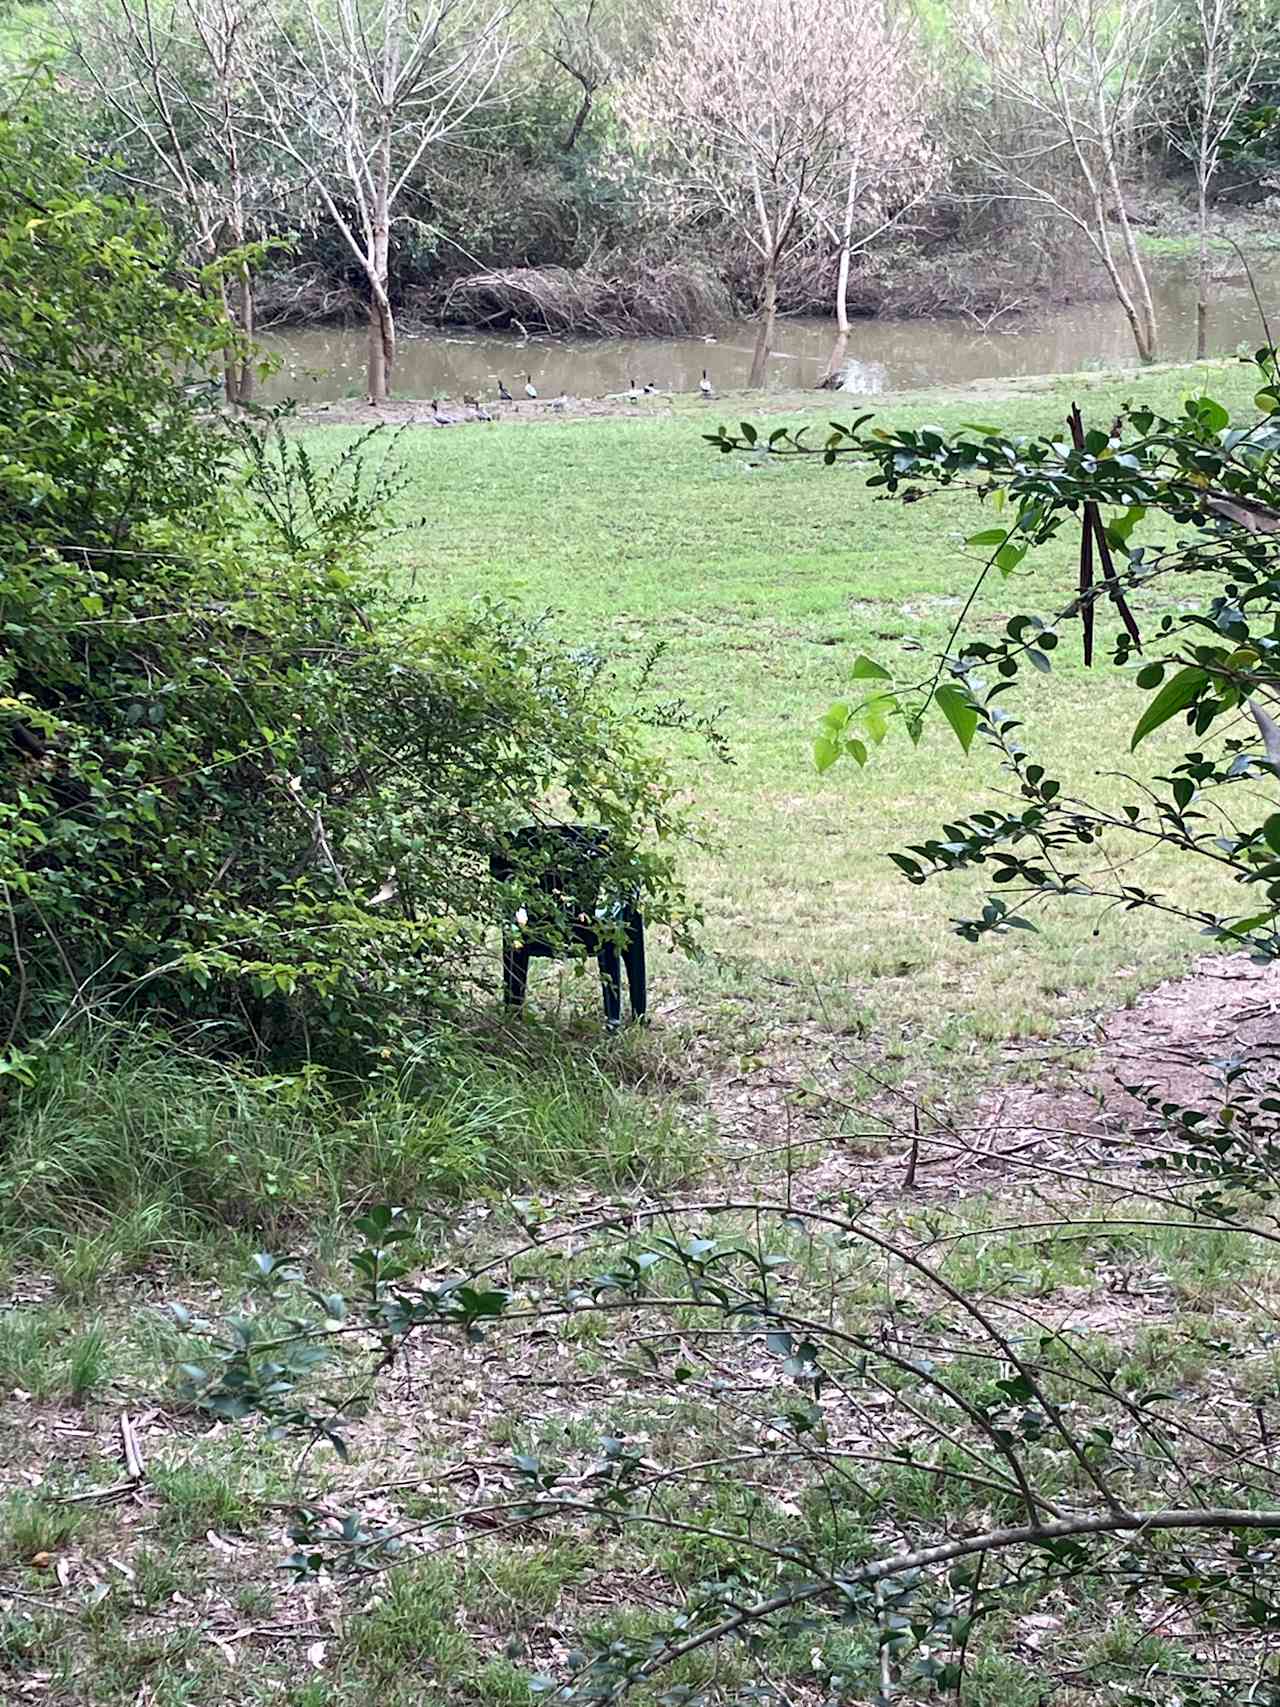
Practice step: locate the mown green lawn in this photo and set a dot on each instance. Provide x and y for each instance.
(763, 584)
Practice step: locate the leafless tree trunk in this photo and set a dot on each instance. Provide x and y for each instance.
(576, 42)
(747, 107)
(1071, 70)
(1211, 71)
(175, 76)
(891, 165)
(355, 97)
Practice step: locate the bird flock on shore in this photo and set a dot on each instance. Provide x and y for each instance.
(475, 409)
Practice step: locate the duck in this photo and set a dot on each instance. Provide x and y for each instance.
(441, 419)
(633, 396)
(650, 389)
(704, 385)
(503, 393)
(529, 390)
(470, 401)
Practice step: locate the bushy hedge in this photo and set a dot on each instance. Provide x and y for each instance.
(235, 786)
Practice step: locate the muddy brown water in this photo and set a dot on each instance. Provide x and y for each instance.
(327, 364)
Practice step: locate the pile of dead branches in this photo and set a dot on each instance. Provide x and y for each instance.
(650, 300)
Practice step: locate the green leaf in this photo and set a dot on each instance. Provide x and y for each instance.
(988, 536)
(826, 750)
(1174, 696)
(875, 716)
(1009, 556)
(1253, 923)
(857, 751)
(1150, 675)
(867, 670)
(1121, 526)
(1271, 832)
(959, 712)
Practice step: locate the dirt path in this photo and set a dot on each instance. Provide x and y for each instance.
(1172, 1038)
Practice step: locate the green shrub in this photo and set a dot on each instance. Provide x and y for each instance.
(235, 789)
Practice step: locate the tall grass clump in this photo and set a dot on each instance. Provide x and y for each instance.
(130, 1145)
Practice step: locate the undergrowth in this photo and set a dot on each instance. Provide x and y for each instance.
(130, 1147)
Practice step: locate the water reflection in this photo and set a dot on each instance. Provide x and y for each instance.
(327, 364)
(865, 379)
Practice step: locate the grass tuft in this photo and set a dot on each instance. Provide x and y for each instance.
(130, 1150)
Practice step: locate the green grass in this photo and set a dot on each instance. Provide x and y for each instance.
(135, 1173)
(764, 584)
(1185, 245)
(31, 1526)
(130, 1153)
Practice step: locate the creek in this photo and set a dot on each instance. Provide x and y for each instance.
(326, 364)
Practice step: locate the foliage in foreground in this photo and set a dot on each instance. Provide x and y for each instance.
(1210, 660)
(866, 1442)
(237, 787)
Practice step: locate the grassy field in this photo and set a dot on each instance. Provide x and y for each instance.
(141, 1178)
(763, 585)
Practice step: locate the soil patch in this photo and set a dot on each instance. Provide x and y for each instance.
(1172, 1039)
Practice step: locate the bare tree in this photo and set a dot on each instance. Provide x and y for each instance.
(1210, 74)
(354, 95)
(1070, 72)
(577, 42)
(888, 163)
(751, 103)
(173, 77)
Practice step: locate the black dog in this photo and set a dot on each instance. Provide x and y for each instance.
(562, 867)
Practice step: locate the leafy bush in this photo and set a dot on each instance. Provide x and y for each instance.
(233, 789)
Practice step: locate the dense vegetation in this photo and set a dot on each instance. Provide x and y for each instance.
(915, 1393)
(241, 786)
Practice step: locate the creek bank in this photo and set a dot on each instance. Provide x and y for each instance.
(669, 405)
(679, 298)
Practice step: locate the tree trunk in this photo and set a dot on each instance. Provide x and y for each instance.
(230, 368)
(382, 329)
(1202, 279)
(1143, 321)
(841, 345)
(1102, 245)
(579, 120)
(834, 376)
(768, 315)
(382, 345)
(240, 375)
